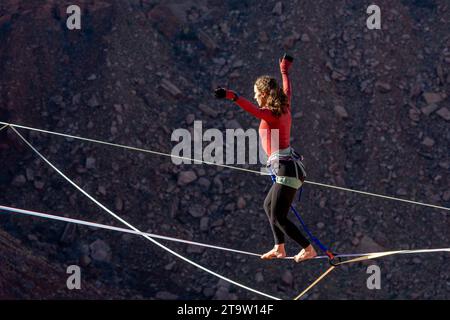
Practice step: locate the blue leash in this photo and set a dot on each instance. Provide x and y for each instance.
(317, 241)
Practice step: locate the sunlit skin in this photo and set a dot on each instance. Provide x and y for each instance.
(260, 97)
(279, 252)
(308, 253)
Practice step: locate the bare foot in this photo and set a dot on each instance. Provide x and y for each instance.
(305, 254)
(277, 252)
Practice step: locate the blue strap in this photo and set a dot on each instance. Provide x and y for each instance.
(311, 236)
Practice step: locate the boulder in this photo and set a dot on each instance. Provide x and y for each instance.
(100, 251)
(186, 177)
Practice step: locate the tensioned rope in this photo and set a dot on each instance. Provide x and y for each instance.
(136, 229)
(217, 164)
(107, 227)
(376, 255)
(127, 147)
(3, 127)
(370, 256)
(315, 283)
(361, 256)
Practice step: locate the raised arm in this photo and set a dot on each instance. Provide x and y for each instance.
(259, 113)
(285, 64)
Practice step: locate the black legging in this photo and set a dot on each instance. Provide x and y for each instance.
(277, 204)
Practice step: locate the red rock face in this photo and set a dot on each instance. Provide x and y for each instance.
(38, 55)
(370, 110)
(23, 275)
(165, 20)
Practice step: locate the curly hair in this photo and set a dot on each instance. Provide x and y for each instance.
(277, 101)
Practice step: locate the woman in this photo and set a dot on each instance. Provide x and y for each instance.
(274, 110)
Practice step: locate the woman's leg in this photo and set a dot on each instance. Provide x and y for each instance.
(278, 250)
(278, 234)
(282, 197)
(280, 203)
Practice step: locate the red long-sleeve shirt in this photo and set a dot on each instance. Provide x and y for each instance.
(269, 122)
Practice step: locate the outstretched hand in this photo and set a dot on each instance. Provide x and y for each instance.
(220, 93)
(285, 63)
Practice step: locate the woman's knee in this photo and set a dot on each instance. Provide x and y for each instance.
(282, 216)
(274, 221)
